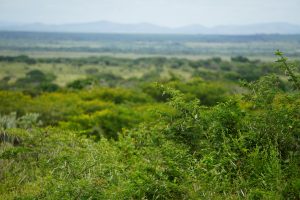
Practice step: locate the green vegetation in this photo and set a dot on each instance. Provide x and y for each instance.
(140, 45)
(149, 128)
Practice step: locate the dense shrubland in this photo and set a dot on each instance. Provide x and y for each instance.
(202, 137)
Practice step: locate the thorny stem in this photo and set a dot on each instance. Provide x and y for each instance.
(283, 60)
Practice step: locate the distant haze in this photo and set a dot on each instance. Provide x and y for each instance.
(168, 13)
(110, 27)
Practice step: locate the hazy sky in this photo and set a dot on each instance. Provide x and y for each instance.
(161, 12)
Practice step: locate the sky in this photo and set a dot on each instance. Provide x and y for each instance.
(171, 13)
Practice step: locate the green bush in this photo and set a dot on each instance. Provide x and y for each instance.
(181, 140)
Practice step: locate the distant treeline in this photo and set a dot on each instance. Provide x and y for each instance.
(43, 36)
(150, 44)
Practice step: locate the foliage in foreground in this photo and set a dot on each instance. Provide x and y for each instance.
(246, 147)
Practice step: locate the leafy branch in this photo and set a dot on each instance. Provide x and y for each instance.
(288, 69)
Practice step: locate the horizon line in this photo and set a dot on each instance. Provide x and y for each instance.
(140, 23)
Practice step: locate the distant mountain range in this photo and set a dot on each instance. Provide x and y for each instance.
(144, 28)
